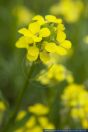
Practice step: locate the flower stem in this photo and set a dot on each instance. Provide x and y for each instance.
(19, 100)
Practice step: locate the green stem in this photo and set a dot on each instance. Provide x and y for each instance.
(19, 100)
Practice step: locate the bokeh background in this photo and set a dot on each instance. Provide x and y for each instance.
(15, 14)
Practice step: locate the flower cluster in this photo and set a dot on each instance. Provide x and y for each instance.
(56, 72)
(75, 98)
(69, 9)
(38, 121)
(43, 37)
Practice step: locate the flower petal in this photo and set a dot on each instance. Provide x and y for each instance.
(33, 53)
(39, 19)
(37, 39)
(60, 27)
(23, 42)
(44, 57)
(45, 32)
(61, 50)
(50, 18)
(34, 27)
(50, 47)
(25, 32)
(61, 36)
(66, 44)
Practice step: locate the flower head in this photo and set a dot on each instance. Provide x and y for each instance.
(43, 37)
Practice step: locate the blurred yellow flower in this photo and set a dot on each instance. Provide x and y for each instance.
(71, 10)
(39, 109)
(43, 37)
(75, 98)
(23, 14)
(21, 115)
(85, 123)
(44, 122)
(31, 122)
(55, 72)
(36, 123)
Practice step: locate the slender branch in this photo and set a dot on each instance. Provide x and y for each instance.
(19, 100)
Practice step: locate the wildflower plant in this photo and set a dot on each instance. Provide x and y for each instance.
(43, 75)
(43, 37)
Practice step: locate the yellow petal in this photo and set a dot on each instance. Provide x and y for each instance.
(37, 39)
(23, 42)
(39, 19)
(44, 57)
(50, 47)
(43, 121)
(61, 50)
(66, 44)
(33, 53)
(38, 109)
(36, 129)
(45, 32)
(34, 27)
(61, 36)
(25, 32)
(50, 18)
(60, 27)
(30, 122)
(21, 115)
(59, 21)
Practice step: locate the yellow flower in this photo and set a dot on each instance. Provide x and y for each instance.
(30, 122)
(39, 109)
(44, 56)
(85, 123)
(33, 53)
(71, 10)
(39, 19)
(75, 98)
(35, 32)
(43, 37)
(53, 19)
(55, 72)
(38, 121)
(36, 129)
(44, 122)
(21, 115)
(23, 14)
(61, 36)
(23, 42)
